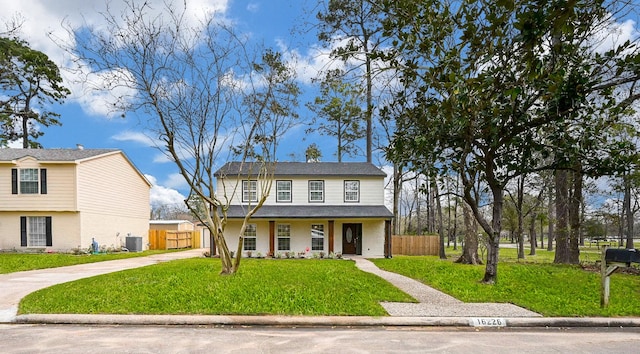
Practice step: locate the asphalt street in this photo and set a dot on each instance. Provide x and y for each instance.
(17, 338)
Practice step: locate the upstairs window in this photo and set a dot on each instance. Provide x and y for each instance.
(316, 191)
(28, 181)
(283, 191)
(351, 191)
(249, 191)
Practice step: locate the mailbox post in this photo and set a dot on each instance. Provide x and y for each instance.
(615, 257)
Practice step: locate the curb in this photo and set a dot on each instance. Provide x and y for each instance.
(323, 321)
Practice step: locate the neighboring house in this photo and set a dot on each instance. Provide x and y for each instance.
(316, 206)
(61, 199)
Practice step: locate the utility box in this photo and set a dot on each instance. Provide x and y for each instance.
(133, 243)
(627, 256)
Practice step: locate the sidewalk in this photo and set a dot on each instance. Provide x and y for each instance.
(433, 309)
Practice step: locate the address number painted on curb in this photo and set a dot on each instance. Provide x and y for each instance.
(488, 322)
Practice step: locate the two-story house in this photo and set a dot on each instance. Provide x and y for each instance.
(61, 199)
(316, 206)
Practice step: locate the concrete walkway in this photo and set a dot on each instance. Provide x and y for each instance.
(433, 303)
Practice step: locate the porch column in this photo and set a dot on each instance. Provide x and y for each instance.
(387, 239)
(331, 237)
(272, 237)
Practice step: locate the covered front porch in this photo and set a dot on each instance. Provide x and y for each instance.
(344, 230)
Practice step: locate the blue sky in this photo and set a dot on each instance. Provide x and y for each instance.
(84, 119)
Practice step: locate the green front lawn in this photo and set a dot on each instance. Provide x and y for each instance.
(533, 283)
(194, 286)
(17, 262)
(337, 287)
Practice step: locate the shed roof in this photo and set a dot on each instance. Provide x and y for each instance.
(169, 222)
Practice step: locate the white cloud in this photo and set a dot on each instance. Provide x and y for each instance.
(162, 195)
(253, 7)
(175, 180)
(308, 65)
(43, 20)
(615, 34)
(138, 137)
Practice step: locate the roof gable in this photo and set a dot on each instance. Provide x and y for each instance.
(305, 169)
(52, 155)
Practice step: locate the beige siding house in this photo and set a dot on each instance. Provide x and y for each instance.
(61, 199)
(312, 207)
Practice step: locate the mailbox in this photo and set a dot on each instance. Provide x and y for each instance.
(621, 255)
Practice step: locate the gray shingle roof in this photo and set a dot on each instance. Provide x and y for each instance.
(306, 169)
(313, 211)
(52, 154)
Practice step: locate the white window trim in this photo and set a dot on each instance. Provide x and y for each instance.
(36, 181)
(249, 194)
(254, 236)
(313, 237)
(357, 191)
(278, 200)
(36, 225)
(280, 236)
(311, 200)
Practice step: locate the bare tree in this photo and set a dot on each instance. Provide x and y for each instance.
(208, 97)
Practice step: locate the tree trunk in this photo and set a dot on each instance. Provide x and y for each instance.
(575, 205)
(436, 196)
(519, 206)
(562, 215)
(470, 246)
(397, 189)
(552, 234)
(533, 239)
(627, 211)
(493, 247)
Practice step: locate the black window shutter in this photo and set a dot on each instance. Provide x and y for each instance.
(14, 181)
(23, 231)
(43, 181)
(48, 231)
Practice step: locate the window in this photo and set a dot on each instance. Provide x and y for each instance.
(284, 237)
(317, 237)
(28, 181)
(351, 191)
(250, 234)
(316, 191)
(35, 231)
(283, 191)
(249, 191)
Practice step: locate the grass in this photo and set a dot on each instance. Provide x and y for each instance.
(534, 283)
(337, 287)
(194, 286)
(17, 262)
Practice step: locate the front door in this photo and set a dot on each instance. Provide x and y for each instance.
(352, 238)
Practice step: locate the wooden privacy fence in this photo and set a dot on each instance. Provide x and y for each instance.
(168, 240)
(410, 245)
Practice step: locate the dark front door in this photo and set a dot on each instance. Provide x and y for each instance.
(352, 238)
